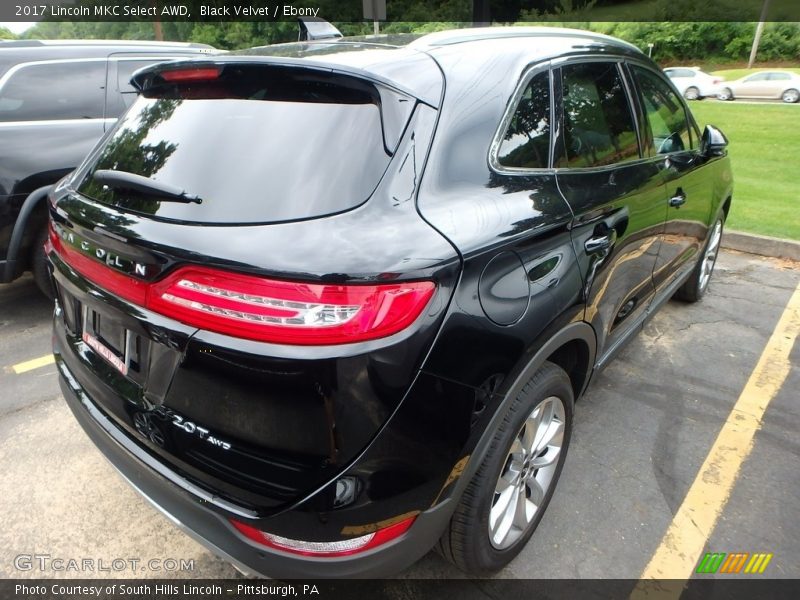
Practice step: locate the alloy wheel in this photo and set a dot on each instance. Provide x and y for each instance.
(790, 96)
(710, 258)
(527, 474)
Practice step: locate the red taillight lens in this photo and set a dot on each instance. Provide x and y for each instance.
(117, 283)
(191, 74)
(325, 549)
(266, 310)
(288, 312)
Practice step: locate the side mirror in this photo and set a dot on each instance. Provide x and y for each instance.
(713, 142)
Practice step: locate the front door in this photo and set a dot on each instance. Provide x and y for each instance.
(618, 200)
(671, 138)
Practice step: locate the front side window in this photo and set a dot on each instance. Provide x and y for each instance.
(70, 90)
(666, 116)
(526, 141)
(598, 125)
(757, 77)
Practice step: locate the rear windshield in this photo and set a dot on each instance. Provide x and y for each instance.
(256, 145)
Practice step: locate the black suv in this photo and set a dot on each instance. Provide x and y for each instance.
(329, 305)
(56, 100)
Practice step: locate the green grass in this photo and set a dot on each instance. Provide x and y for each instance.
(731, 74)
(765, 154)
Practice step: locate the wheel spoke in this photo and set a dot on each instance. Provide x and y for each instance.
(546, 409)
(501, 503)
(518, 451)
(506, 480)
(530, 429)
(552, 436)
(524, 510)
(546, 459)
(502, 515)
(537, 492)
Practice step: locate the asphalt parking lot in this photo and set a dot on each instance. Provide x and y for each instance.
(642, 434)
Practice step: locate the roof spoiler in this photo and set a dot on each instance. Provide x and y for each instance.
(314, 28)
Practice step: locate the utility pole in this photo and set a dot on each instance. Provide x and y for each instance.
(158, 33)
(757, 37)
(481, 13)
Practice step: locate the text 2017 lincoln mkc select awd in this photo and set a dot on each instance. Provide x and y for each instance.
(329, 305)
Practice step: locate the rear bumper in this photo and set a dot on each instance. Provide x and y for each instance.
(210, 526)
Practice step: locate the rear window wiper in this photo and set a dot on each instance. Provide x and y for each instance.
(138, 183)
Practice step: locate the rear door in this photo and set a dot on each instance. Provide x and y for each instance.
(778, 83)
(617, 198)
(755, 86)
(671, 139)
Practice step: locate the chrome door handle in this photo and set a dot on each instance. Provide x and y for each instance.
(600, 244)
(677, 200)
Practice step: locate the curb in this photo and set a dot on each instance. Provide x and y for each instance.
(761, 244)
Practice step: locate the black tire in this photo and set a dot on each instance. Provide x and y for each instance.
(726, 95)
(39, 266)
(790, 96)
(697, 285)
(465, 542)
(692, 93)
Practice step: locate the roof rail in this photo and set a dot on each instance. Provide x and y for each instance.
(475, 34)
(144, 43)
(20, 43)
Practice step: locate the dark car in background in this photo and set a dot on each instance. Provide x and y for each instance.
(329, 305)
(57, 98)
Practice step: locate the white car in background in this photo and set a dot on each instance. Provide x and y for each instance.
(693, 83)
(770, 85)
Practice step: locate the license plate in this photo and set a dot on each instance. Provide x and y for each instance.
(104, 351)
(109, 339)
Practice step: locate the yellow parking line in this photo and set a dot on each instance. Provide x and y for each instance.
(30, 365)
(684, 541)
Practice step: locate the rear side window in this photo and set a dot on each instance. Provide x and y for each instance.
(256, 145)
(69, 90)
(598, 125)
(680, 73)
(666, 116)
(526, 141)
(779, 77)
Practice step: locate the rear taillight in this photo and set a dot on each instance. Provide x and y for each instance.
(267, 310)
(325, 549)
(288, 312)
(113, 281)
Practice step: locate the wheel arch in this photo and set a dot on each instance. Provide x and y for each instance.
(573, 346)
(27, 218)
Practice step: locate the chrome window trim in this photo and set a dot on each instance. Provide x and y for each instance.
(551, 65)
(528, 74)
